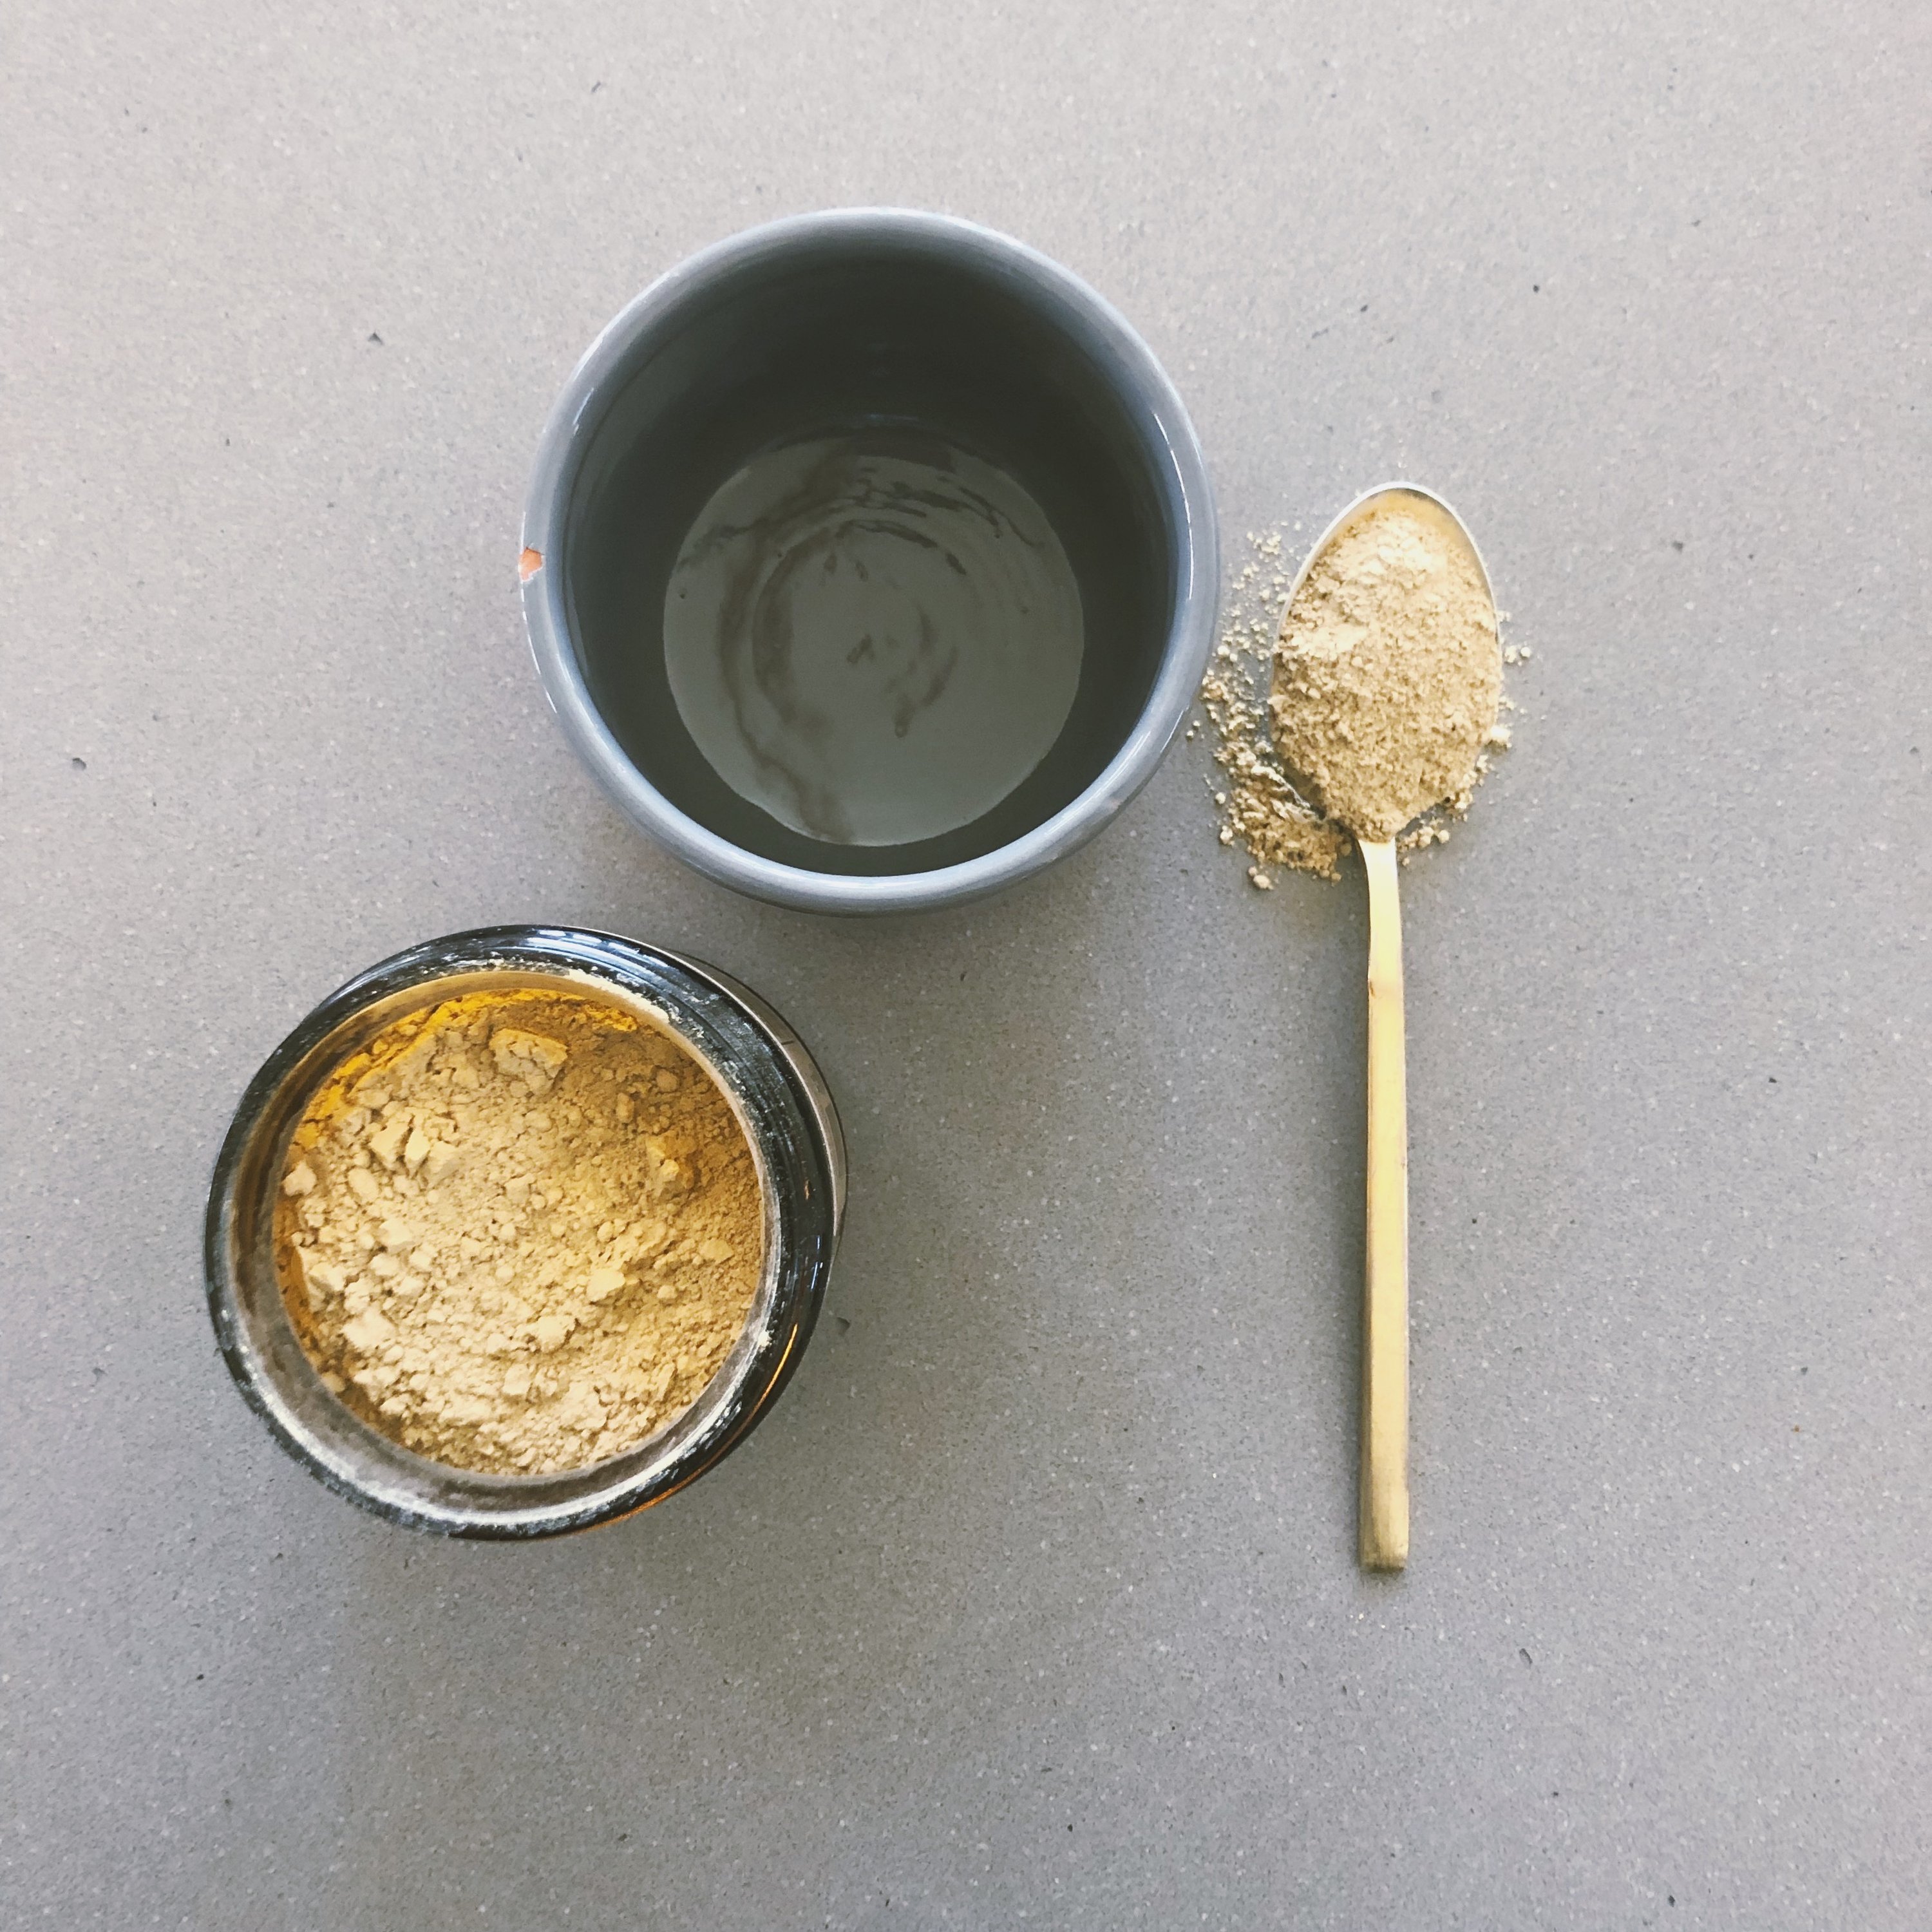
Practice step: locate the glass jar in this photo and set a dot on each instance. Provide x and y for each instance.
(781, 1101)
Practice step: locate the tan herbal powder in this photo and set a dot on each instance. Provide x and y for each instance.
(1386, 681)
(1387, 674)
(521, 1231)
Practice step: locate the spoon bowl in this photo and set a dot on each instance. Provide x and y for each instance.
(1392, 775)
(1412, 496)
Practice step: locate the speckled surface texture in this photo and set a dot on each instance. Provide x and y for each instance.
(1035, 1601)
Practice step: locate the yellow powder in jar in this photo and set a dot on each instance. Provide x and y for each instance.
(521, 1231)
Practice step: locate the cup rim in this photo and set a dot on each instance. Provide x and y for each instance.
(1130, 367)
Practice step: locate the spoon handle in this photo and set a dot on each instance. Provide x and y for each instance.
(1385, 1486)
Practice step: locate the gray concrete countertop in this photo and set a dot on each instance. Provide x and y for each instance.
(1034, 1602)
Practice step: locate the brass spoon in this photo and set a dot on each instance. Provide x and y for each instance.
(1384, 1500)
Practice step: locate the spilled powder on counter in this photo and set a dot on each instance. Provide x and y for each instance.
(521, 1232)
(1386, 682)
(1261, 808)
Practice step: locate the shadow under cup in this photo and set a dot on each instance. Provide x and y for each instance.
(870, 326)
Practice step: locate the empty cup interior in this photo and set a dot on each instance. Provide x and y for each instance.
(902, 346)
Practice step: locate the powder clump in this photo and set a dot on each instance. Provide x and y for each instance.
(1261, 809)
(1386, 680)
(521, 1231)
(1387, 675)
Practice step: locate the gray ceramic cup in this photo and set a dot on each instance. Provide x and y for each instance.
(855, 317)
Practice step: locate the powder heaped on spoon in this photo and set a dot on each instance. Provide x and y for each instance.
(1387, 673)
